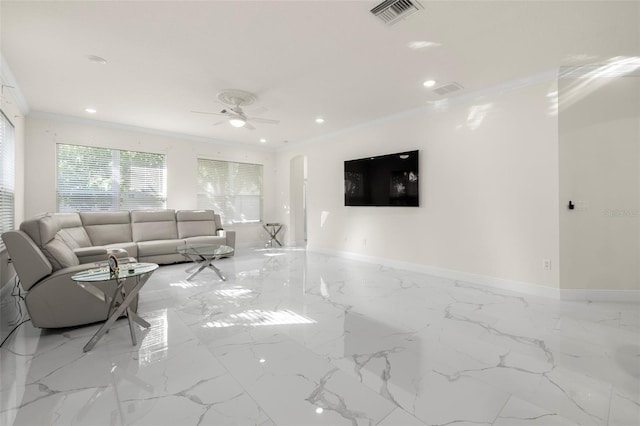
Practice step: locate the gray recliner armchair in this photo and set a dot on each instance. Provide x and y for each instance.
(45, 263)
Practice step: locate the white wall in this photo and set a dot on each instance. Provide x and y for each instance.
(488, 188)
(42, 134)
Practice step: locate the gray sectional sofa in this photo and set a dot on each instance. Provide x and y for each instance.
(47, 250)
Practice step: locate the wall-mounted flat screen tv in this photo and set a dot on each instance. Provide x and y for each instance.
(386, 180)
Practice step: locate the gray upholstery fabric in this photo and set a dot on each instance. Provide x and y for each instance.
(41, 229)
(153, 225)
(156, 247)
(59, 254)
(106, 228)
(71, 230)
(207, 240)
(30, 263)
(131, 248)
(56, 301)
(44, 254)
(218, 221)
(91, 254)
(193, 223)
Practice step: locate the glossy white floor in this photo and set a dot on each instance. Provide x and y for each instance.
(297, 338)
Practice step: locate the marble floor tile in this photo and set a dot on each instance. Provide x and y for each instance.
(300, 338)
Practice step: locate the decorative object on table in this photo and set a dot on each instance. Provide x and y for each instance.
(113, 266)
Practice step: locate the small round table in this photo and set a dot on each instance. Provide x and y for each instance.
(120, 300)
(272, 229)
(203, 256)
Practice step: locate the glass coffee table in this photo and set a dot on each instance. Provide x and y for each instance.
(203, 256)
(121, 298)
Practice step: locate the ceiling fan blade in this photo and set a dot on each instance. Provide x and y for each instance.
(259, 110)
(210, 113)
(220, 122)
(248, 126)
(263, 120)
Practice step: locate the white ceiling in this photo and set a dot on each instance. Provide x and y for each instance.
(302, 59)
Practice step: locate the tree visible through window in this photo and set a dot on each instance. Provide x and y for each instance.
(233, 190)
(102, 179)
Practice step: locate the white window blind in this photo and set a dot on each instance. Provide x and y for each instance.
(102, 179)
(7, 175)
(233, 190)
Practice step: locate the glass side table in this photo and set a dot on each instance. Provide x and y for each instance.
(203, 256)
(120, 300)
(272, 229)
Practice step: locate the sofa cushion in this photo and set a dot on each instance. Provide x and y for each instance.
(72, 232)
(41, 229)
(193, 223)
(206, 240)
(106, 228)
(158, 247)
(149, 225)
(59, 254)
(130, 247)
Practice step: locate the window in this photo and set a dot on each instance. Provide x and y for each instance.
(103, 179)
(7, 175)
(233, 190)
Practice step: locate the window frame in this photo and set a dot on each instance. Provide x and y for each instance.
(117, 196)
(223, 212)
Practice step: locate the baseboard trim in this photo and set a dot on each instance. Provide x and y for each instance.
(631, 296)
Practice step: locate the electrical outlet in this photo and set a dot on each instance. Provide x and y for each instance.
(546, 264)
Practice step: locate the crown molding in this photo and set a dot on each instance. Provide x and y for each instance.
(145, 130)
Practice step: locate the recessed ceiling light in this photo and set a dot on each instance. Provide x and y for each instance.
(319, 120)
(263, 140)
(96, 59)
(90, 110)
(429, 83)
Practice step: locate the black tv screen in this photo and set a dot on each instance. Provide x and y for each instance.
(386, 180)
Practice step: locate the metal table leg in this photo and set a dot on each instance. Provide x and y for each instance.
(119, 310)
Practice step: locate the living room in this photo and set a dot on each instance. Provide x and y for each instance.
(497, 173)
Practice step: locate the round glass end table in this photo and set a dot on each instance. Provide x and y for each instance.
(121, 298)
(203, 256)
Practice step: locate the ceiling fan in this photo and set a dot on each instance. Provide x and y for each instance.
(234, 100)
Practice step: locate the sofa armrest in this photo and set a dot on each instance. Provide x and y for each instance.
(57, 301)
(30, 263)
(98, 254)
(231, 239)
(90, 254)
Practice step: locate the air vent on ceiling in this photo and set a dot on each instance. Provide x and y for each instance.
(391, 11)
(447, 88)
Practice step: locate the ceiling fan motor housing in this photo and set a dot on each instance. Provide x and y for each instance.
(236, 98)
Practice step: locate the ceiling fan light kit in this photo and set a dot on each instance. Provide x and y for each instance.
(235, 99)
(237, 121)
